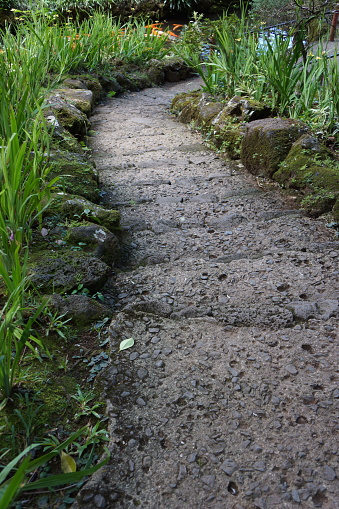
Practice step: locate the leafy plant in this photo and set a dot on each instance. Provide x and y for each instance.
(83, 399)
(16, 334)
(12, 484)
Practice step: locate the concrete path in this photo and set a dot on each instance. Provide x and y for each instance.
(229, 397)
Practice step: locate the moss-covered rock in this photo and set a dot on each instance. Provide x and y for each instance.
(76, 174)
(63, 205)
(62, 271)
(267, 142)
(207, 110)
(228, 135)
(81, 98)
(61, 139)
(70, 117)
(311, 169)
(185, 106)
(82, 310)
(96, 240)
(335, 211)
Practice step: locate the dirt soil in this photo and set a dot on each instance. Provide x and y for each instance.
(229, 397)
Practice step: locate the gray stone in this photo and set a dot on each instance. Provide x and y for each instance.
(98, 240)
(142, 373)
(229, 466)
(260, 466)
(329, 473)
(291, 369)
(81, 309)
(100, 502)
(141, 402)
(295, 496)
(266, 143)
(303, 310)
(226, 221)
(209, 480)
(182, 472)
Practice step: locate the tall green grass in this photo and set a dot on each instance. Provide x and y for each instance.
(269, 68)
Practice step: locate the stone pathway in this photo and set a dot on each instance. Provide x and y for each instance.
(229, 397)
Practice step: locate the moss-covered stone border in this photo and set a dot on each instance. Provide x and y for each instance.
(280, 149)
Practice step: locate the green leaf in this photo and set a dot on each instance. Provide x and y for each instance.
(62, 479)
(10, 490)
(67, 463)
(126, 343)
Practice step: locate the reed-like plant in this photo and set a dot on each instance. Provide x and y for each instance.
(14, 477)
(279, 62)
(16, 334)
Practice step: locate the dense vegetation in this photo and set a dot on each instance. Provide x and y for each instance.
(233, 55)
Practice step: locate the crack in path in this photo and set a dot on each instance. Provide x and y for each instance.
(229, 398)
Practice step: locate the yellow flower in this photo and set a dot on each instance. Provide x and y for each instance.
(318, 58)
(237, 39)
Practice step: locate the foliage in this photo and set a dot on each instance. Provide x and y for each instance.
(180, 5)
(278, 11)
(272, 68)
(12, 485)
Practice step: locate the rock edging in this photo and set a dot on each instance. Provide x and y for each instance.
(72, 257)
(281, 149)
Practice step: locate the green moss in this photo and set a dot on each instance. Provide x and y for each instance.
(76, 174)
(227, 136)
(267, 143)
(335, 211)
(185, 105)
(314, 174)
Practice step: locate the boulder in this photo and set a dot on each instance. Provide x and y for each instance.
(88, 82)
(155, 71)
(267, 142)
(70, 117)
(81, 98)
(176, 70)
(63, 271)
(77, 175)
(96, 240)
(185, 106)
(83, 310)
(77, 208)
(207, 109)
(245, 109)
(311, 169)
(61, 139)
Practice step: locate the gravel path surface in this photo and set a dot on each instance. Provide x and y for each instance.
(229, 397)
